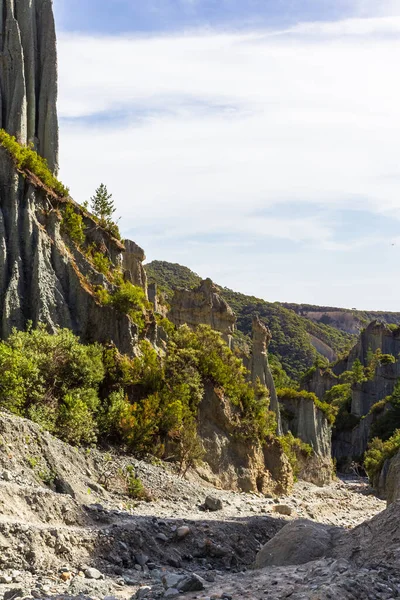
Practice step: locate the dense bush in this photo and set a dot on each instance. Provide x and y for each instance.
(53, 380)
(378, 452)
(26, 158)
(148, 404)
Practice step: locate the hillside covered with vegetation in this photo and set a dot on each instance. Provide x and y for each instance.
(291, 343)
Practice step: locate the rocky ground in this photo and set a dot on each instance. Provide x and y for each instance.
(69, 528)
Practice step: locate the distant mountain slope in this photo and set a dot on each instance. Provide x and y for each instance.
(346, 319)
(296, 340)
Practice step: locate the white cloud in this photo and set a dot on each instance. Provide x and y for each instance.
(219, 127)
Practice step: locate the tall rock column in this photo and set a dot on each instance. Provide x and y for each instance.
(132, 262)
(28, 75)
(260, 366)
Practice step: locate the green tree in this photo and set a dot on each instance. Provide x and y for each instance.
(102, 204)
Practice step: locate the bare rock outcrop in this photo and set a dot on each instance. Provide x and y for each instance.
(28, 75)
(203, 305)
(259, 367)
(307, 422)
(235, 463)
(132, 263)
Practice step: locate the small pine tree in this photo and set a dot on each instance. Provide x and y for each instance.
(102, 204)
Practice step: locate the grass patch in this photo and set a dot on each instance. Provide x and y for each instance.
(26, 159)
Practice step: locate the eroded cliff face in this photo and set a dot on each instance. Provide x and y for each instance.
(387, 482)
(45, 279)
(307, 422)
(235, 463)
(203, 306)
(350, 444)
(28, 75)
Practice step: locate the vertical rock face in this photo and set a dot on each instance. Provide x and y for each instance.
(259, 366)
(308, 423)
(43, 279)
(133, 258)
(203, 306)
(28, 75)
(350, 444)
(234, 463)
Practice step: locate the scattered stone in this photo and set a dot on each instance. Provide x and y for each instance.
(6, 579)
(182, 532)
(283, 509)
(172, 580)
(14, 593)
(93, 574)
(141, 559)
(143, 592)
(171, 593)
(194, 583)
(213, 504)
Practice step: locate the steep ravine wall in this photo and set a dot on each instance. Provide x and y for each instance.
(350, 444)
(41, 279)
(28, 75)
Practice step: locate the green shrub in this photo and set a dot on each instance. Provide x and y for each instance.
(340, 398)
(134, 485)
(387, 359)
(378, 452)
(101, 263)
(128, 297)
(385, 425)
(294, 447)
(166, 324)
(53, 380)
(26, 159)
(72, 225)
(378, 407)
(102, 295)
(114, 409)
(190, 449)
(75, 420)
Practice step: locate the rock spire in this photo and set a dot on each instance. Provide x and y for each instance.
(259, 364)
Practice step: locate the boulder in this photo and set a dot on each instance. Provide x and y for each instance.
(213, 504)
(297, 543)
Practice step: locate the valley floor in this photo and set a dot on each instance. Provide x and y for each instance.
(84, 537)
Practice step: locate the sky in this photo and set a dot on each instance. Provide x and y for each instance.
(255, 141)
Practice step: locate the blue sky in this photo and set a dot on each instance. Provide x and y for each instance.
(254, 141)
(117, 16)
